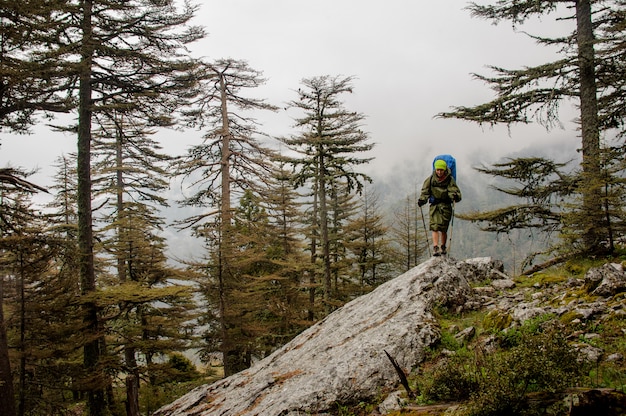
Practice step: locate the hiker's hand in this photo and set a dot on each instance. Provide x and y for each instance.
(456, 197)
(421, 202)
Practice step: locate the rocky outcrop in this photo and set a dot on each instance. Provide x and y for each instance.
(342, 358)
(607, 280)
(599, 286)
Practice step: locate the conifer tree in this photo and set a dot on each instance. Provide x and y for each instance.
(10, 216)
(130, 171)
(267, 285)
(37, 257)
(409, 233)
(31, 80)
(282, 204)
(14, 189)
(368, 243)
(342, 208)
(230, 160)
(586, 72)
(121, 53)
(329, 147)
(43, 316)
(63, 208)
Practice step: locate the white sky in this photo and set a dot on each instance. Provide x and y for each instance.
(411, 59)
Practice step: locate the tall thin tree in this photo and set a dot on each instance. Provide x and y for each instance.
(231, 159)
(534, 93)
(133, 50)
(329, 147)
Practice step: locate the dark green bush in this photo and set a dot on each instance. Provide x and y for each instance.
(542, 361)
(533, 358)
(177, 369)
(454, 380)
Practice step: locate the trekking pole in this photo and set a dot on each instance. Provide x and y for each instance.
(451, 228)
(425, 232)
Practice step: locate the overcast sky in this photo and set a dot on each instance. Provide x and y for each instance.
(410, 59)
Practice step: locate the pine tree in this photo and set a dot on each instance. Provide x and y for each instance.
(44, 318)
(130, 170)
(329, 146)
(267, 288)
(343, 206)
(410, 233)
(282, 204)
(134, 61)
(31, 79)
(230, 160)
(591, 58)
(368, 243)
(14, 216)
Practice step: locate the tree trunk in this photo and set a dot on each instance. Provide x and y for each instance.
(592, 201)
(21, 407)
(324, 236)
(314, 231)
(92, 353)
(119, 188)
(132, 383)
(123, 270)
(229, 347)
(7, 397)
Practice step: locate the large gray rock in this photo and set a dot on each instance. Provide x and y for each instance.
(610, 278)
(341, 358)
(482, 268)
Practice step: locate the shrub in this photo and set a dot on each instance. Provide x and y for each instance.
(535, 358)
(542, 361)
(177, 369)
(453, 380)
(496, 320)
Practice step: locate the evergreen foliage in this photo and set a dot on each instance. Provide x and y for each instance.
(130, 171)
(230, 161)
(410, 232)
(89, 303)
(43, 319)
(32, 80)
(329, 148)
(54, 60)
(372, 255)
(132, 63)
(589, 60)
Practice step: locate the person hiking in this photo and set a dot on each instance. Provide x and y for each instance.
(441, 190)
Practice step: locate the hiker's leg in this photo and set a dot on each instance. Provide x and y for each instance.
(444, 249)
(435, 238)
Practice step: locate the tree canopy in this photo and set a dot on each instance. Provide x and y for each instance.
(584, 70)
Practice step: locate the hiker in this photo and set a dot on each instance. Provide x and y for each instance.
(441, 190)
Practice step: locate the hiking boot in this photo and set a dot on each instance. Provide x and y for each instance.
(436, 251)
(443, 250)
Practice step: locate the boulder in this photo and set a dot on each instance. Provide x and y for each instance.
(503, 284)
(482, 268)
(342, 358)
(611, 282)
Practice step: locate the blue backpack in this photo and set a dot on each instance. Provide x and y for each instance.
(450, 161)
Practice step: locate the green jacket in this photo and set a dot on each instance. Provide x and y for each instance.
(440, 194)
